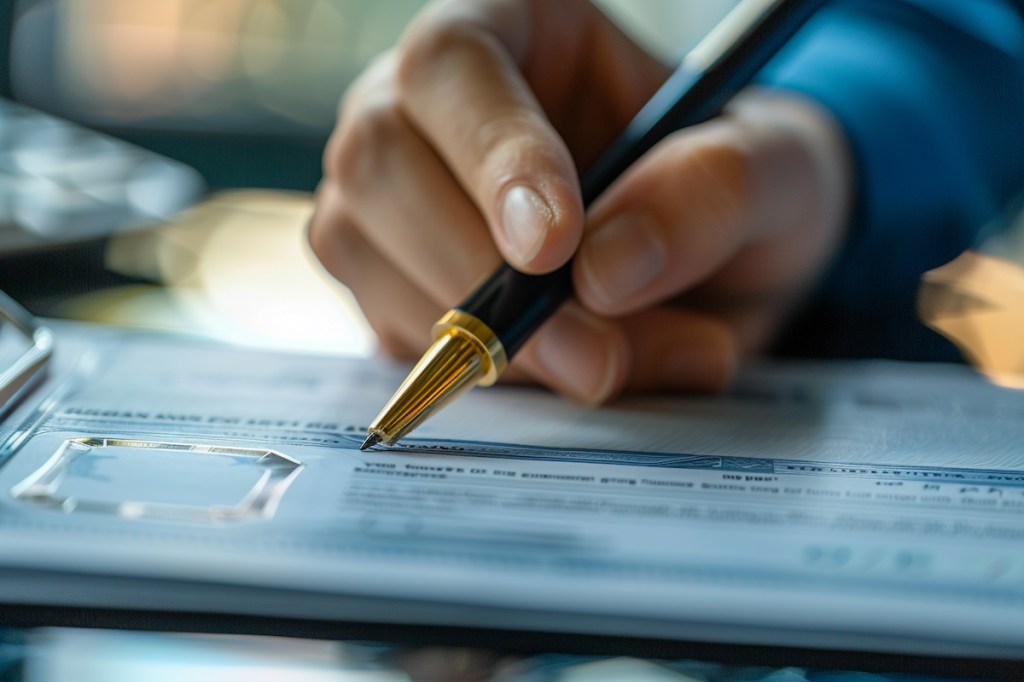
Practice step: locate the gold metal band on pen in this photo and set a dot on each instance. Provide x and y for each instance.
(492, 351)
(466, 353)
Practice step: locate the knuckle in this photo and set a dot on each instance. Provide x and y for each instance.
(333, 240)
(353, 154)
(432, 42)
(369, 122)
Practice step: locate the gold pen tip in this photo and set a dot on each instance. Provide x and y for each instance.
(370, 441)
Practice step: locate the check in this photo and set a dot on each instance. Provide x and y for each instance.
(864, 506)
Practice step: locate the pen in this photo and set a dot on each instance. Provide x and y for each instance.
(475, 340)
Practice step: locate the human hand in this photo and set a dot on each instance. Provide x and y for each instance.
(461, 148)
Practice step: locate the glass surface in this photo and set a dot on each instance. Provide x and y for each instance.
(25, 349)
(75, 655)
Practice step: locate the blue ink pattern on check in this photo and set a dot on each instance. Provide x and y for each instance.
(663, 460)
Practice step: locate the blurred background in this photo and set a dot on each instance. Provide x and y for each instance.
(234, 99)
(243, 90)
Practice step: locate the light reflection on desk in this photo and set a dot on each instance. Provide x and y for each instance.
(236, 268)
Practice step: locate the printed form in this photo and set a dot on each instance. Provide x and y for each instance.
(865, 506)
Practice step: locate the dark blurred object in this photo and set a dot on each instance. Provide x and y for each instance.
(6, 26)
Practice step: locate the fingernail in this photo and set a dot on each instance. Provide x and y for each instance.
(526, 218)
(621, 257)
(578, 352)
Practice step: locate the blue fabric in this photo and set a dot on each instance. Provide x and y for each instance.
(930, 94)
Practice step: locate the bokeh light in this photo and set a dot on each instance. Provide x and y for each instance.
(246, 65)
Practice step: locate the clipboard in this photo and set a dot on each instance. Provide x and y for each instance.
(175, 554)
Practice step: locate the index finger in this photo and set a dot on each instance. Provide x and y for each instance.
(461, 86)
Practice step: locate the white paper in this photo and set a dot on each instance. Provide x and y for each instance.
(864, 506)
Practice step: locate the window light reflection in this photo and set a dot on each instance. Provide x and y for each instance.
(235, 268)
(977, 300)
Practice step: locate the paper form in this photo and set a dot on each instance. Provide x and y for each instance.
(865, 506)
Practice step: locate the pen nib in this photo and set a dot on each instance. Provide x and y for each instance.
(370, 441)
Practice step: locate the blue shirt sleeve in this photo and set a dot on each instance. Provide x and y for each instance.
(930, 94)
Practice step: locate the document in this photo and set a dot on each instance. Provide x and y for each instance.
(864, 506)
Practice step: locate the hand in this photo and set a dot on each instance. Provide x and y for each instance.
(461, 148)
